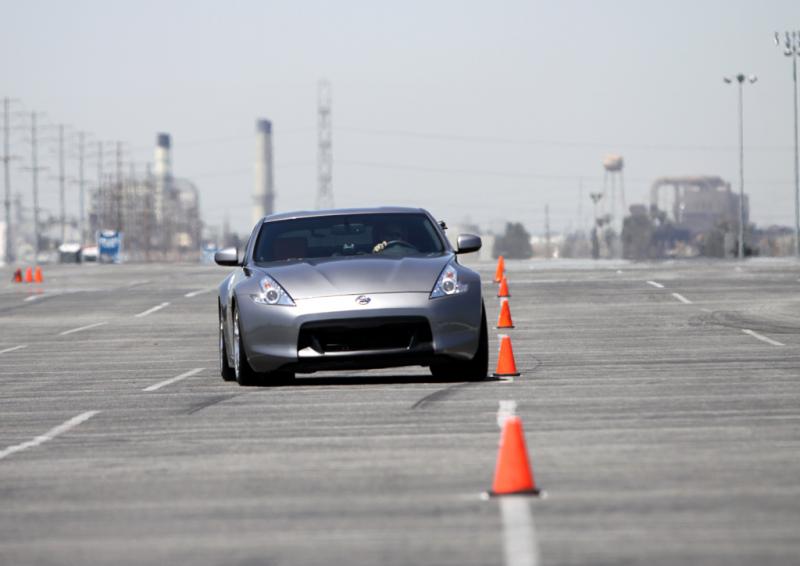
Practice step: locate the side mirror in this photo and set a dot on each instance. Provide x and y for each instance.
(468, 243)
(228, 256)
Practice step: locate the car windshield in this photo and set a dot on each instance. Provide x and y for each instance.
(379, 235)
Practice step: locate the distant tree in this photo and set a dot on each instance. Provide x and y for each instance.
(514, 244)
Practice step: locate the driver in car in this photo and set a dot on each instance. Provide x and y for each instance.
(388, 233)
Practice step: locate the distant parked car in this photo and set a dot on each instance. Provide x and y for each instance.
(89, 253)
(69, 253)
(346, 289)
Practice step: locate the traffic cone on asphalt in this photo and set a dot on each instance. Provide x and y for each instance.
(17, 276)
(503, 291)
(506, 366)
(501, 269)
(29, 275)
(37, 275)
(505, 315)
(513, 474)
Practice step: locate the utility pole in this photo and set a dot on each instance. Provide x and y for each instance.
(9, 251)
(325, 147)
(118, 187)
(35, 180)
(101, 200)
(792, 49)
(740, 78)
(81, 187)
(62, 217)
(547, 252)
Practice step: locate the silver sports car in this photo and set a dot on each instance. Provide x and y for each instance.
(350, 289)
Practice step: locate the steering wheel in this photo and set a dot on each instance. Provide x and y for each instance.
(392, 243)
(400, 243)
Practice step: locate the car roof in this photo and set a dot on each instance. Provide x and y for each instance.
(344, 212)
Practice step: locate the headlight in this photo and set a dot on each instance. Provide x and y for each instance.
(271, 293)
(448, 283)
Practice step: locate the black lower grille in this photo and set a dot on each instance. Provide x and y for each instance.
(364, 335)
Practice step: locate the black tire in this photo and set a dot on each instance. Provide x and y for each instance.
(475, 369)
(225, 370)
(244, 374)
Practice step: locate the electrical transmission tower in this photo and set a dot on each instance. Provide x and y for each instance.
(325, 149)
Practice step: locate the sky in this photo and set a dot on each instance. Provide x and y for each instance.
(478, 111)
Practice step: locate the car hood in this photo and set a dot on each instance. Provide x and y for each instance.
(356, 275)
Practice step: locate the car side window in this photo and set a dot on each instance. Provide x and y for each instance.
(248, 249)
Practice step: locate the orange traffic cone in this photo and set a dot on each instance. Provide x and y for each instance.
(501, 269)
(37, 275)
(503, 291)
(29, 275)
(17, 276)
(513, 474)
(506, 366)
(505, 316)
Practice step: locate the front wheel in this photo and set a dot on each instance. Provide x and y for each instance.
(244, 373)
(242, 370)
(225, 370)
(475, 369)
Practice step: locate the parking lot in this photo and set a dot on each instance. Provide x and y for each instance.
(661, 405)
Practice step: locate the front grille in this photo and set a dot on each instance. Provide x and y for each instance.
(365, 335)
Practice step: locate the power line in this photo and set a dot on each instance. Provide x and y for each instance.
(548, 142)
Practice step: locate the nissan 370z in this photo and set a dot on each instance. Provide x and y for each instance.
(350, 289)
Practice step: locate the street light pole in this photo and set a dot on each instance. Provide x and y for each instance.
(740, 78)
(791, 49)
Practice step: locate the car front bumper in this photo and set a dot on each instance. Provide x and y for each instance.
(271, 332)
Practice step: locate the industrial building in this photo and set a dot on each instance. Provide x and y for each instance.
(688, 215)
(158, 214)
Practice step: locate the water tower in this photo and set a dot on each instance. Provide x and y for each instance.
(613, 178)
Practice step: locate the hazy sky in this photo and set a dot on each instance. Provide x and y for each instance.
(480, 110)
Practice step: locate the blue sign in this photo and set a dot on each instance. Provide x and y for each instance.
(208, 252)
(109, 246)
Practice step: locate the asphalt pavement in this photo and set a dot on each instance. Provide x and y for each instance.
(661, 406)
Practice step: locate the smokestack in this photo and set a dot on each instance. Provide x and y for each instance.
(163, 174)
(263, 193)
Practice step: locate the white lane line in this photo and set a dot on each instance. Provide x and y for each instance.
(33, 298)
(520, 545)
(13, 348)
(655, 284)
(682, 299)
(198, 292)
(762, 337)
(80, 328)
(137, 283)
(160, 384)
(152, 310)
(49, 435)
